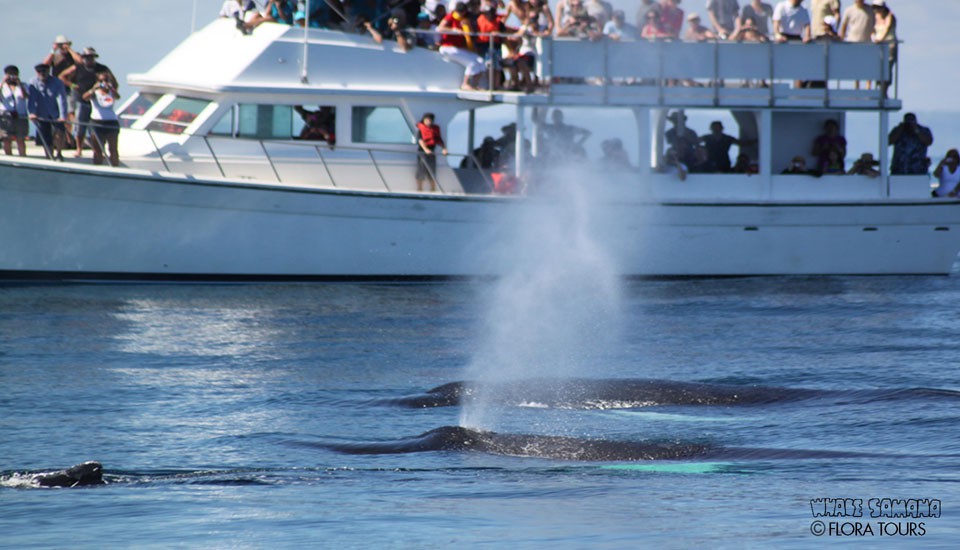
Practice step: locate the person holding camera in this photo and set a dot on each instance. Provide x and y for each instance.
(14, 124)
(910, 142)
(81, 78)
(106, 124)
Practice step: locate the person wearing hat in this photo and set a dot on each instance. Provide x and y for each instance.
(62, 56)
(48, 110)
(14, 125)
(867, 166)
(81, 78)
(696, 32)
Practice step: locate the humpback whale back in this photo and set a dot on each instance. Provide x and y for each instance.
(456, 438)
(87, 473)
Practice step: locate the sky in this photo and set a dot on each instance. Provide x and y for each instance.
(132, 35)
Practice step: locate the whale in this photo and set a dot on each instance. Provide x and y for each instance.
(461, 439)
(581, 393)
(83, 474)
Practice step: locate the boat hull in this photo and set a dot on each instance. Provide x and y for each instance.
(78, 223)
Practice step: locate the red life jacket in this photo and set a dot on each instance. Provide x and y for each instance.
(430, 134)
(455, 40)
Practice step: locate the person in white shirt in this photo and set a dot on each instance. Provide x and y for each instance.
(14, 121)
(106, 124)
(791, 21)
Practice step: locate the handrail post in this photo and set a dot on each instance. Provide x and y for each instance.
(483, 173)
(770, 55)
(716, 72)
(326, 168)
(379, 172)
(826, 73)
(157, 149)
(214, 156)
(270, 161)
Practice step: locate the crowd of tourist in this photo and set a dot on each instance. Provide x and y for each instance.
(499, 36)
(71, 96)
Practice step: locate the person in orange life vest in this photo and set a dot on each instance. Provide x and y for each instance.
(458, 46)
(489, 46)
(428, 138)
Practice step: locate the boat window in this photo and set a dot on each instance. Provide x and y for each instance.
(265, 121)
(708, 141)
(178, 115)
(380, 125)
(133, 110)
(226, 126)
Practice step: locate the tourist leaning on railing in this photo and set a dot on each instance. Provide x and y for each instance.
(48, 110)
(14, 125)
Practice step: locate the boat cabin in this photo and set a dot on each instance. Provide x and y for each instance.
(325, 109)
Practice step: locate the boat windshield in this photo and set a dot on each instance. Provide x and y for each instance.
(135, 108)
(178, 115)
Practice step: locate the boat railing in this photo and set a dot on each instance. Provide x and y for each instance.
(299, 163)
(710, 73)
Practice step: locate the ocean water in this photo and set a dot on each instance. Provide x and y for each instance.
(212, 407)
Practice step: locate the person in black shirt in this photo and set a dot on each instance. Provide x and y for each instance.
(718, 146)
(81, 78)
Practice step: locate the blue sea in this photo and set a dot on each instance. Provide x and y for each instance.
(210, 407)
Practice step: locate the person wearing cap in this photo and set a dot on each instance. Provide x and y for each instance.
(456, 45)
(696, 32)
(618, 29)
(48, 110)
(14, 124)
(761, 13)
(81, 78)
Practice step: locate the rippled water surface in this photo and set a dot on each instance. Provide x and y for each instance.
(212, 407)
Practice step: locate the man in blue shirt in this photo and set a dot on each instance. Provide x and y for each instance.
(47, 105)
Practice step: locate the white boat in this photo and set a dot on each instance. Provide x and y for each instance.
(213, 187)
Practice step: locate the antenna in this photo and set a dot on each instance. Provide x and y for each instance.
(306, 49)
(193, 19)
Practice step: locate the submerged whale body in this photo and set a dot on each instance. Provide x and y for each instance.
(87, 473)
(607, 393)
(456, 438)
(581, 393)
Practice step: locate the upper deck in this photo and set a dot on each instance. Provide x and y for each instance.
(282, 60)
